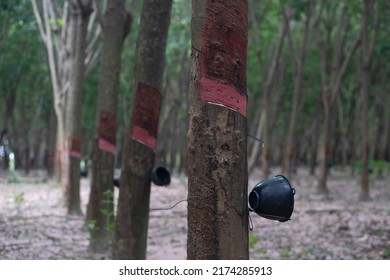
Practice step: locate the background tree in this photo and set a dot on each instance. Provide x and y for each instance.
(217, 163)
(23, 85)
(335, 57)
(368, 44)
(69, 38)
(298, 58)
(80, 12)
(263, 129)
(115, 26)
(132, 218)
(57, 33)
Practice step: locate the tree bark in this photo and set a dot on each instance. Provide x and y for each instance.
(100, 207)
(217, 136)
(131, 226)
(80, 13)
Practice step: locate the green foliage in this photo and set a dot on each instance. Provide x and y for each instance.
(252, 241)
(24, 76)
(19, 198)
(373, 164)
(386, 254)
(91, 225)
(14, 178)
(261, 251)
(287, 254)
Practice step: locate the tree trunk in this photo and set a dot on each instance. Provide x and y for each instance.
(217, 136)
(267, 91)
(298, 62)
(332, 73)
(81, 15)
(264, 125)
(131, 226)
(367, 54)
(56, 27)
(384, 148)
(326, 149)
(100, 207)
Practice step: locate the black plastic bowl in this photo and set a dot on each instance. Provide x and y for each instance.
(160, 176)
(273, 199)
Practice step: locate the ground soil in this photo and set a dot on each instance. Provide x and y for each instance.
(33, 224)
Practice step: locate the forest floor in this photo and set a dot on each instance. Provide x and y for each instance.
(33, 224)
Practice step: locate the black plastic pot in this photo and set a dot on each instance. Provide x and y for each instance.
(273, 199)
(160, 176)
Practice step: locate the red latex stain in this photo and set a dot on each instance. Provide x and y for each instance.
(146, 112)
(223, 56)
(143, 136)
(107, 131)
(75, 147)
(215, 92)
(104, 145)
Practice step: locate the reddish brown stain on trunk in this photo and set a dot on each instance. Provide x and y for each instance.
(213, 91)
(146, 112)
(74, 147)
(107, 131)
(223, 61)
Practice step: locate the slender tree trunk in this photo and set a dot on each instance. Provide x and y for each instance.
(263, 129)
(267, 91)
(217, 136)
(58, 35)
(81, 15)
(51, 149)
(326, 148)
(298, 62)
(100, 206)
(332, 73)
(367, 54)
(385, 134)
(313, 150)
(131, 226)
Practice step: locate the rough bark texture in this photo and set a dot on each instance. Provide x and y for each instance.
(100, 206)
(217, 136)
(81, 15)
(133, 206)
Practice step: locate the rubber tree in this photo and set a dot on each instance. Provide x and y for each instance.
(131, 225)
(115, 21)
(70, 35)
(217, 136)
(335, 57)
(80, 12)
(367, 51)
(298, 58)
